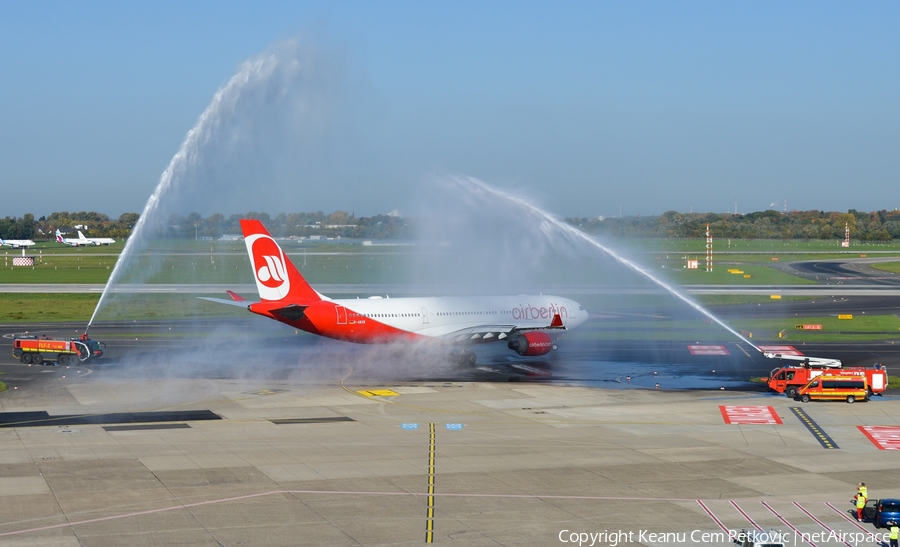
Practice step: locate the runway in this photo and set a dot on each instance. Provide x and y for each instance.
(323, 442)
(323, 449)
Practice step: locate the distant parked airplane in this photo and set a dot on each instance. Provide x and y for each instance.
(96, 240)
(16, 243)
(82, 241)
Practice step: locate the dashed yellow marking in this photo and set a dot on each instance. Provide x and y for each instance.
(429, 514)
(378, 393)
(813, 427)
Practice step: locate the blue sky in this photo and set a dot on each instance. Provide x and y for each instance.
(584, 106)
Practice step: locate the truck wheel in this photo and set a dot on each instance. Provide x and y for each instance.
(63, 360)
(37, 359)
(791, 392)
(804, 398)
(851, 399)
(26, 358)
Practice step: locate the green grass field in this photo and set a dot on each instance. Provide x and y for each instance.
(185, 261)
(861, 327)
(39, 307)
(759, 275)
(893, 267)
(881, 327)
(188, 261)
(775, 246)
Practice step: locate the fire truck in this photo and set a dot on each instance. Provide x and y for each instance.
(37, 350)
(790, 379)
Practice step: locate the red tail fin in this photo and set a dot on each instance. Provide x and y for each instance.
(276, 277)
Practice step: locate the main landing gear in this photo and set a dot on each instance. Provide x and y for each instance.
(463, 358)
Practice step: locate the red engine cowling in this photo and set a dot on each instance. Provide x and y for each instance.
(531, 343)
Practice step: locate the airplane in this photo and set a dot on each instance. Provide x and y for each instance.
(69, 241)
(82, 241)
(530, 325)
(16, 243)
(96, 240)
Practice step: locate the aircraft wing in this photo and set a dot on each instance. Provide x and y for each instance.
(480, 334)
(490, 333)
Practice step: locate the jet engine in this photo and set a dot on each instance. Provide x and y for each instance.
(531, 343)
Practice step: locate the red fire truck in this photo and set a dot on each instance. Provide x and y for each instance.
(38, 349)
(790, 379)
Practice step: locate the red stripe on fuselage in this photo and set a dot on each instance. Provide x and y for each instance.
(321, 318)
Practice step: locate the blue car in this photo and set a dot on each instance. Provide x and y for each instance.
(883, 511)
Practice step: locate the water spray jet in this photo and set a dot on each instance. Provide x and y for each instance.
(579, 235)
(265, 106)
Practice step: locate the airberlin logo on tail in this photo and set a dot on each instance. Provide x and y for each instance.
(269, 267)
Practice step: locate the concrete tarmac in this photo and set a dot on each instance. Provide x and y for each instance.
(340, 459)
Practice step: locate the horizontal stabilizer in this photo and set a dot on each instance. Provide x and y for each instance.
(238, 303)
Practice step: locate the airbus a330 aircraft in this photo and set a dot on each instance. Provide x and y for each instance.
(82, 241)
(528, 324)
(16, 243)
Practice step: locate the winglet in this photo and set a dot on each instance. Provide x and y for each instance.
(236, 297)
(557, 321)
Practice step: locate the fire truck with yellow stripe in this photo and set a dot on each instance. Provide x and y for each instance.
(38, 350)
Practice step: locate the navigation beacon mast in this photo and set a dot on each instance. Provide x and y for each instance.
(708, 249)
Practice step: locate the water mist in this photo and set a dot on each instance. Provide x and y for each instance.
(548, 223)
(268, 124)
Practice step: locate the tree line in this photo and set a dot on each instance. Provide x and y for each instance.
(337, 224)
(874, 226)
(94, 224)
(97, 225)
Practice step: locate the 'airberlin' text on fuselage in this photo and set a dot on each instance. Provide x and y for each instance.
(529, 311)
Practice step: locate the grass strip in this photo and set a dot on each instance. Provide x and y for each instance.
(892, 267)
(63, 307)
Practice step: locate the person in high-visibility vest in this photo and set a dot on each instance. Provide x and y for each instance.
(894, 534)
(861, 488)
(860, 505)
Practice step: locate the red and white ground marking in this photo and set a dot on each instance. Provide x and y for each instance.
(750, 415)
(885, 437)
(820, 523)
(784, 350)
(788, 524)
(708, 350)
(847, 518)
(746, 516)
(714, 517)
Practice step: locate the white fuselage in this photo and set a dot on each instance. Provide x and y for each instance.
(439, 316)
(16, 243)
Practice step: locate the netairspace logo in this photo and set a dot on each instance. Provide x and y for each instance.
(614, 538)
